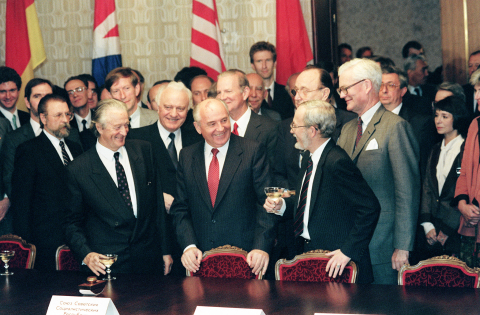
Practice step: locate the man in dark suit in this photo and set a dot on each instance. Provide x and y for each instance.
(10, 85)
(257, 96)
(117, 204)
(416, 68)
(471, 102)
(334, 209)
(39, 181)
(233, 89)
(263, 59)
(79, 94)
(384, 148)
(220, 194)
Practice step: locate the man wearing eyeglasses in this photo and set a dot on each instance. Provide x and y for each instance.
(39, 181)
(384, 148)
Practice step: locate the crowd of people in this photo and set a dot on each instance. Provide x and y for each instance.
(384, 165)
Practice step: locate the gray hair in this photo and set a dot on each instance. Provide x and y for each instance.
(101, 113)
(455, 88)
(411, 62)
(402, 76)
(178, 86)
(364, 69)
(475, 78)
(196, 109)
(320, 114)
(242, 78)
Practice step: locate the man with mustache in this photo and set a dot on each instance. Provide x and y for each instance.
(39, 181)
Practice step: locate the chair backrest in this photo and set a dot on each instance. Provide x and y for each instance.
(440, 271)
(225, 262)
(24, 252)
(310, 267)
(65, 260)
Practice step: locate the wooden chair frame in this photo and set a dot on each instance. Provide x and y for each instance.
(22, 243)
(317, 253)
(57, 256)
(441, 260)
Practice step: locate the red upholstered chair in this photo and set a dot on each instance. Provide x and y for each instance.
(310, 267)
(225, 262)
(440, 271)
(24, 253)
(65, 260)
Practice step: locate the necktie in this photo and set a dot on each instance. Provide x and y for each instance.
(269, 99)
(14, 121)
(66, 158)
(172, 150)
(213, 177)
(84, 123)
(122, 181)
(359, 131)
(298, 225)
(235, 129)
(417, 90)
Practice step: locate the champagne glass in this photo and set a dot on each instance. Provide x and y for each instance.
(6, 255)
(108, 261)
(274, 193)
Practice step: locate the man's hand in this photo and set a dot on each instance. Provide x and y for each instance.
(191, 259)
(92, 260)
(442, 238)
(337, 263)
(470, 212)
(399, 258)
(272, 206)
(431, 237)
(258, 260)
(168, 201)
(167, 261)
(4, 205)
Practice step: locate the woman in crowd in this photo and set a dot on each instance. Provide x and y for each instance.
(439, 219)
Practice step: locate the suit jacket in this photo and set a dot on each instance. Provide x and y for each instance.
(282, 102)
(98, 220)
(147, 116)
(343, 209)
(262, 129)
(272, 114)
(469, 101)
(5, 128)
(343, 117)
(87, 137)
(285, 169)
(165, 165)
(392, 172)
(238, 217)
(418, 104)
(23, 116)
(39, 196)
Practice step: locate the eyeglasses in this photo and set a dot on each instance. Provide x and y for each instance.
(344, 89)
(389, 86)
(60, 115)
(293, 126)
(303, 91)
(78, 90)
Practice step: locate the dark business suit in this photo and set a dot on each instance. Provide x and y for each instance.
(419, 104)
(87, 136)
(238, 217)
(263, 129)
(282, 102)
(343, 117)
(343, 209)
(98, 220)
(469, 101)
(270, 113)
(23, 116)
(39, 196)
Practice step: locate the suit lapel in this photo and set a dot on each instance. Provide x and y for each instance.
(50, 151)
(232, 160)
(368, 133)
(252, 127)
(318, 173)
(301, 175)
(200, 174)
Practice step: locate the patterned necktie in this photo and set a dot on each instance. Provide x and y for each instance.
(14, 121)
(269, 99)
(84, 123)
(213, 177)
(66, 158)
(359, 131)
(298, 225)
(172, 150)
(235, 129)
(122, 181)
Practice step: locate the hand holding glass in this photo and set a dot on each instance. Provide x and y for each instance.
(107, 260)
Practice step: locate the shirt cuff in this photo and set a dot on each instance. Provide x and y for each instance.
(427, 226)
(281, 211)
(189, 246)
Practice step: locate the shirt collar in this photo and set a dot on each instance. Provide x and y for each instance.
(37, 130)
(164, 133)
(8, 114)
(242, 122)
(222, 150)
(54, 140)
(397, 109)
(368, 115)
(107, 153)
(88, 118)
(318, 152)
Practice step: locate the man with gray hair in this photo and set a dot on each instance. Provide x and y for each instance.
(335, 208)
(416, 68)
(384, 148)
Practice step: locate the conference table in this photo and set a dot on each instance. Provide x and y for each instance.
(29, 292)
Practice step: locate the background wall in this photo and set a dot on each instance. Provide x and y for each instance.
(154, 34)
(387, 25)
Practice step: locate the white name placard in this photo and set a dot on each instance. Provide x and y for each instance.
(210, 310)
(77, 305)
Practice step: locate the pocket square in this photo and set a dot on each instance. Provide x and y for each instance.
(372, 145)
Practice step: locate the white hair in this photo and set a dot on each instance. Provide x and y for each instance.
(363, 68)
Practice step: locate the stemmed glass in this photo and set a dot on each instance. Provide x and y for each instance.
(6, 255)
(274, 192)
(107, 261)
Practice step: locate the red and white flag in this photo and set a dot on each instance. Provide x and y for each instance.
(293, 46)
(207, 52)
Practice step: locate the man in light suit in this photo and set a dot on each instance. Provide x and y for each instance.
(39, 181)
(334, 209)
(220, 192)
(123, 85)
(233, 88)
(117, 204)
(387, 154)
(257, 95)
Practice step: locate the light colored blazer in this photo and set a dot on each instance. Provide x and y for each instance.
(387, 155)
(147, 117)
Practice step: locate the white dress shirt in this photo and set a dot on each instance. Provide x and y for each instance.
(10, 115)
(242, 122)
(37, 130)
(368, 115)
(79, 119)
(56, 144)
(164, 135)
(135, 119)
